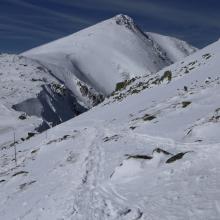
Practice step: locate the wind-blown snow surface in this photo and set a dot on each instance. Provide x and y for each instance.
(151, 151)
(107, 53)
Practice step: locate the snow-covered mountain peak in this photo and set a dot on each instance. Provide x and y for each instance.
(103, 55)
(125, 20)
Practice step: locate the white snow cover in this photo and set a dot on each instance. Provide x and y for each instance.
(72, 74)
(151, 151)
(107, 53)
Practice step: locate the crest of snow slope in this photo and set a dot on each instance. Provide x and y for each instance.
(88, 167)
(106, 53)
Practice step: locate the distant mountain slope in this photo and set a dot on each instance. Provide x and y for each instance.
(107, 53)
(150, 151)
(174, 48)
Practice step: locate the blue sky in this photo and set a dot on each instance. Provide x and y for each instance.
(25, 24)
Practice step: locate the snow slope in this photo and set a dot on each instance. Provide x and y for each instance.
(73, 74)
(150, 151)
(107, 53)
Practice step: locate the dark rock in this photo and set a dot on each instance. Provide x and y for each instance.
(185, 104)
(19, 173)
(23, 116)
(138, 156)
(159, 150)
(176, 157)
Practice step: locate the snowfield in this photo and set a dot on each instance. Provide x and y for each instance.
(149, 151)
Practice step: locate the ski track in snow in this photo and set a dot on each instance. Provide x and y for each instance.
(96, 196)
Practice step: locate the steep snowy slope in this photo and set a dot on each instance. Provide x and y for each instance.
(151, 151)
(107, 53)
